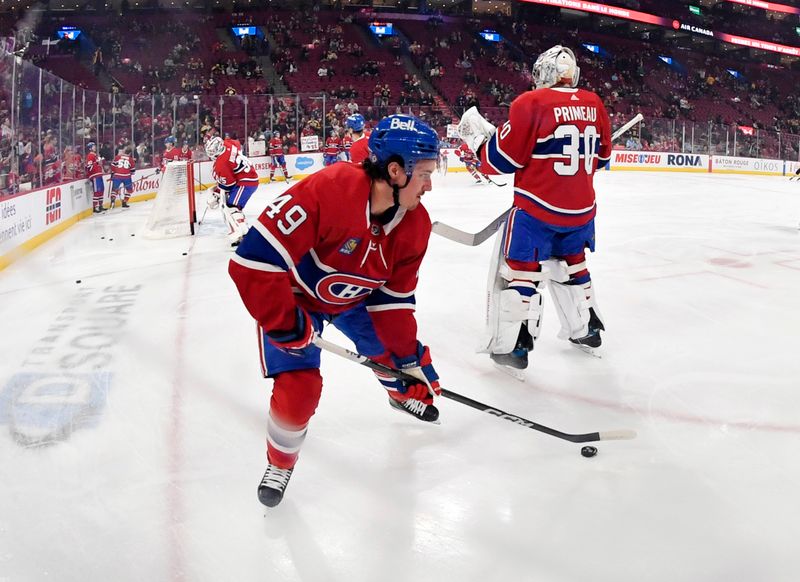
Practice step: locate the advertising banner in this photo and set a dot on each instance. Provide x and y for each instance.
(658, 161)
(732, 165)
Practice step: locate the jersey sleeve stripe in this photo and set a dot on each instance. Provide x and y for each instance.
(397, 294)
(256, 265)
(380, 299)
(392, 307)
(273, 242)
(498, 159)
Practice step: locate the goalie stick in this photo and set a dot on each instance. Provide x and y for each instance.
(474, 239)
(609, 435)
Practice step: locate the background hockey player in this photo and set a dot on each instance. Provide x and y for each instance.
(313, 258)
(122, 169)
(94, 173)
(171, 153)
(569, 133)
(185, 153)
(467, 157)
(359, 150)
(333, 146)
(276, 156)
(236, 181)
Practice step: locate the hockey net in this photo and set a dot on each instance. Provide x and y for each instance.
(173, 213)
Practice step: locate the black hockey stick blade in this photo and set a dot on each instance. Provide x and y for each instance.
(468, 238)
(610, 435)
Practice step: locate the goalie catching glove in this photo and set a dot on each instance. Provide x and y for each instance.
(214, 199)
(418, 365)
(474, 130)
(295, 340)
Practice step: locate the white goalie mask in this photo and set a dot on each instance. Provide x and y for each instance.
(215, 147)
(556, 64)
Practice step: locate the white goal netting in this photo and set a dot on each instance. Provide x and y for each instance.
(172, 213)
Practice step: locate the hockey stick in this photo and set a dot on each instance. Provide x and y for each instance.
(474, 239)
(609, 435)
(488, 179)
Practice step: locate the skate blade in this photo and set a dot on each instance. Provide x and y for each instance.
(594, 352)
(515, 373)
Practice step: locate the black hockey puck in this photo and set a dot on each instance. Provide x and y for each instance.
(184, 254)
(589, 451)
(102, 237)
(111, 239)
(78, 281)
(133, 234)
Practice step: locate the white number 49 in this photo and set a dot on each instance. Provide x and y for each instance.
(292, 218)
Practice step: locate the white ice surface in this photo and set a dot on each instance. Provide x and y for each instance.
(697, 277)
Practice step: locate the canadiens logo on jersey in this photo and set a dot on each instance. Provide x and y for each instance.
(342, 289)
(350, 245)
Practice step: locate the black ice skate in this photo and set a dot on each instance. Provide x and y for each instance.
(125, 204)
(591, 339)
(273, 485)
(518, 357)
(417, 409)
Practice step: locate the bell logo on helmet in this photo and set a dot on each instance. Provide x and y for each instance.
(398, 123)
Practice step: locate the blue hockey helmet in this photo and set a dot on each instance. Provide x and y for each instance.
(90, 145)
(355, 122)
(171, 140)
(405, 136)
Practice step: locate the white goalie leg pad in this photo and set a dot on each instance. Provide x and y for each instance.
(515, 310)
(506, 309)
(236, 222)
(572, 304)
(560, 272)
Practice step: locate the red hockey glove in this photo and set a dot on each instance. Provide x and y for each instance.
(418, 365)
(294, 340)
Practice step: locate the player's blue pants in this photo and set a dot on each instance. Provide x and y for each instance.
(97, 184)
(328, 160)
(355, 323)
(239, 195)
(117, 182)
(528, 239)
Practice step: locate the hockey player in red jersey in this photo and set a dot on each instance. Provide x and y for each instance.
(359, 150)
(556, 137)
(122, 169)
(171, 153)
(330, 153)
(276, 156)
(342, 247)
(94, 173)
(236, 178)
(185, 153)
(467, 157)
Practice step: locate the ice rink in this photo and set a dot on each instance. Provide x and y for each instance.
(144, 384)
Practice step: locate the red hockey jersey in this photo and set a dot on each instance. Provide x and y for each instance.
(464, 153)
(232, 168)
(172, 155)
(552, 142)
(276, 146)
(332, 146)
(122, 166)
(316, 246)
(359, 151)
(93, 167)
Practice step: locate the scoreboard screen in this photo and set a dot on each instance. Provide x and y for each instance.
(491, 35)
(381, 28)
(68, 32)
(244, 30)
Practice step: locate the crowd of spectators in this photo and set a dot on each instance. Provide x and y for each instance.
(173, 81)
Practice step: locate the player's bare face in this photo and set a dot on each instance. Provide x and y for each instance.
(419, 183)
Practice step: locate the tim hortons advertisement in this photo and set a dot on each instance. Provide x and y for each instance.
(731, 165)
(658, 161)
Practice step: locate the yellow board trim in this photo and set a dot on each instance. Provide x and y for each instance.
(41, 238)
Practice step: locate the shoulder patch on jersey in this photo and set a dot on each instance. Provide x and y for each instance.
(349, 246)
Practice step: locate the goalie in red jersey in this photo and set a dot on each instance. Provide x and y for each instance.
(555, 139)
(342, 247)
(236, 179)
